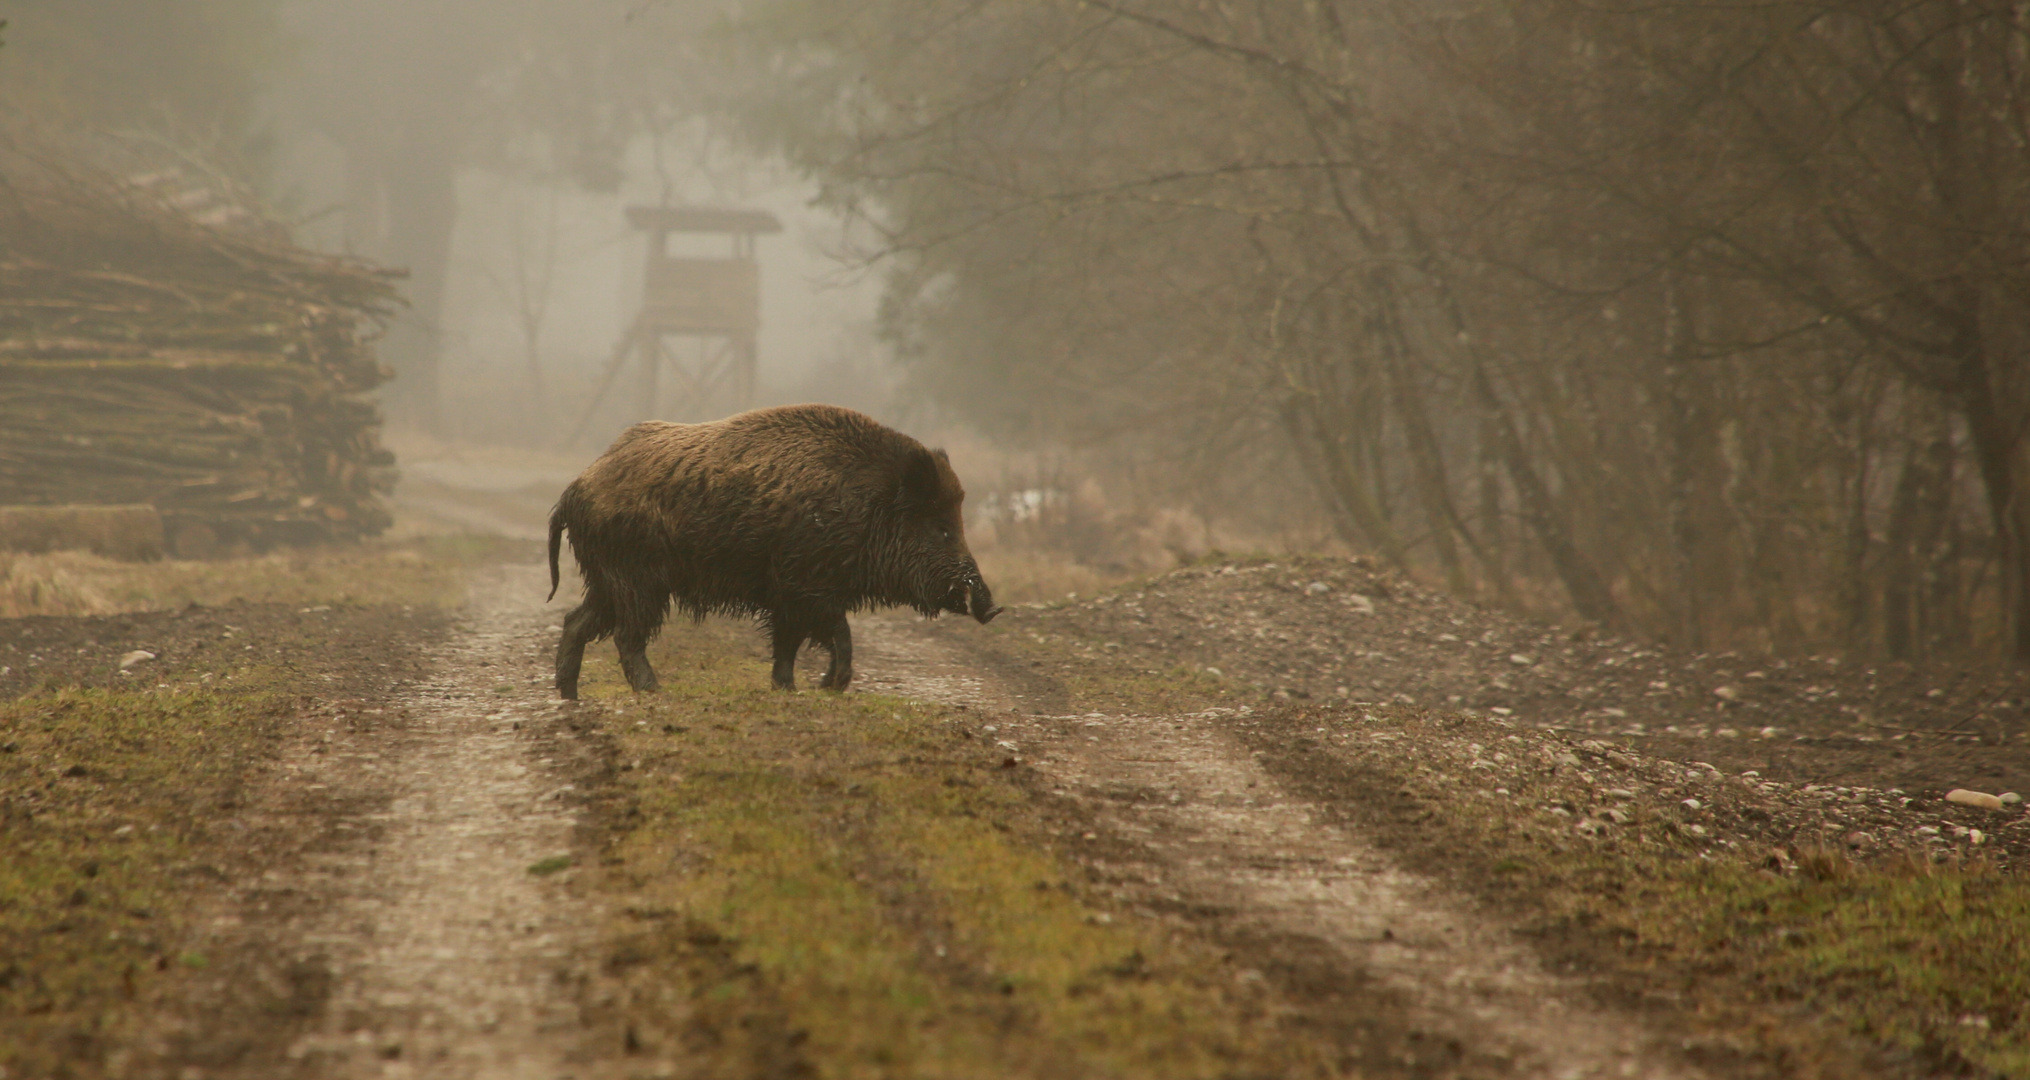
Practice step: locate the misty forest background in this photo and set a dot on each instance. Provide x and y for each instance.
(1699, 321)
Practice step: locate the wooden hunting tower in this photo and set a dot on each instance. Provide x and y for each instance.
(698, 314)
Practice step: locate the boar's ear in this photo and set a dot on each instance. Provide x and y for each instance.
(920, 482)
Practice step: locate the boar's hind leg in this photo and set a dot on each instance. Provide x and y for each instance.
(787, 637)
(633, 643)
(838, 640)
(587, 622)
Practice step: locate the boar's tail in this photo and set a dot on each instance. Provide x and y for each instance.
(556, 539)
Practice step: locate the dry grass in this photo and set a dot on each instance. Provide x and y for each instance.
(426, 573)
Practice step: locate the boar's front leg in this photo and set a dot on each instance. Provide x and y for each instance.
(838, 640)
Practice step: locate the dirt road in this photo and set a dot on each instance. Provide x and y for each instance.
(429, 929)
(1200, 823)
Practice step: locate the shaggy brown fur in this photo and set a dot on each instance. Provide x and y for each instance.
(796, 515)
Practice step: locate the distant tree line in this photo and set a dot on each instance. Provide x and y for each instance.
(1713, 315)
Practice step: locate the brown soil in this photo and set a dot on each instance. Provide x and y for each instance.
(377, 914)
(341, 650)
(1298, 631)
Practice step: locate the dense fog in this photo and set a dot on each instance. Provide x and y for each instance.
(1699, 321)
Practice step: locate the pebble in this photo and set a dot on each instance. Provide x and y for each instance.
(138, 656)
(1521, 659)
(1726, 693)
(1981, 799)
(1692, 804)
(2009, 798)
(1620, 793)
(1361, 604)
(1317, 587)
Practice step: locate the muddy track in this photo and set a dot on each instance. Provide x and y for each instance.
(1195, 823)
(409, 936)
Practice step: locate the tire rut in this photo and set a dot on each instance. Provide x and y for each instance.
(1210, 829)
(435, 950)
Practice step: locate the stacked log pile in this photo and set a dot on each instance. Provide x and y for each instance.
(215, 372)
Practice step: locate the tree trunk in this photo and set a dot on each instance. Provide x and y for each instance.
(1324, 450)
(1590, 595)
(1998, 445)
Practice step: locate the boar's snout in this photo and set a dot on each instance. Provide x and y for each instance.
(983, 607)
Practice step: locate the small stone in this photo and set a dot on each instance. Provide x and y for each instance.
(1980, 799)
(1557, 811)
(1215, 672)
(1360, 604)
(1569, 759)
(138, 656)
(1976, 836)
(1859, 841)
(1521, 659)
(1316, 588)
(1695, 830)
(1726, 693)
(1615, 815)
(2009, 798)
(1934, 694)
(1692, 804)
(1500, 711)
(1620, 793)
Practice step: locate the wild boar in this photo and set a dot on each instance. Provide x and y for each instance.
(796, 515)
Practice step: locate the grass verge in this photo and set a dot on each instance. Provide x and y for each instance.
(109, 802)
(857, 886)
